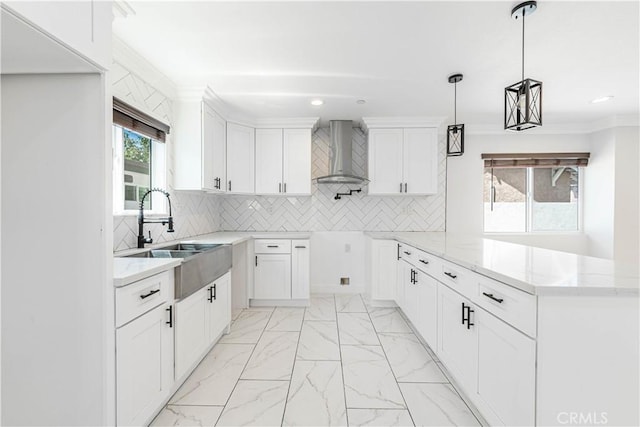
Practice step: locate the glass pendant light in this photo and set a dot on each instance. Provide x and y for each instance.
(455, 132)
(523, 100)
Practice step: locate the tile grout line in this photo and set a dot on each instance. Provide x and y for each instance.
(406, 406)
(244, 367)
(344, 384)
(293, 367)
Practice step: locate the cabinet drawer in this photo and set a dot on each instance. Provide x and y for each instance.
(407, 253)
(427, 263)
(457, 278)
(513, 306)
(142, 296)
(263, 246)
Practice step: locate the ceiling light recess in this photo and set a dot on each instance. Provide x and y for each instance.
(602, 99)
(523, 100)
(317, 102)
(455, 132)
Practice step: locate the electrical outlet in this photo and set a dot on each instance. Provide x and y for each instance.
(347, 248)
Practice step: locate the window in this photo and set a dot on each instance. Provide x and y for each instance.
(532, 193)
(139, 160)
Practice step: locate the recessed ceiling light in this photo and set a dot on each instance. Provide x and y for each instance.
(602, 99)
(317, 102)
(361, 101)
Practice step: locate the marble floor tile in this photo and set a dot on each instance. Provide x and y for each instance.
(350, 303)
(380, 417)
(318, 341)
(316, 395)
(273, 357)
(261, 308)
(174, 415)
(409, 360)
(389, 320)
(255, 403)
(356, 329)
(235, 313)
(286, 319)
(436, 405)
(368, 380)
(248, 327)
(212, 382)
(321, 308)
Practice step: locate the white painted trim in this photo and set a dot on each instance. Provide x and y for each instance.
(288, 123)
(133, 61)
(279, 303)
(401, 122)
(337, 289)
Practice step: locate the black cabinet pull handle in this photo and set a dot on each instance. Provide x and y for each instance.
(424, 261)
(229, 185)
(301, 247)
(256, 260)
(469, 311)
(149, 294)
(415, 277)
(411, 276)
(285, 187)
(401, 187)
(463, 318)
(215, 291)
(398, 250)
(170, 321)
(407, 253)
(453, 276)
(279, 187)
(210, 299)
(490, 296)
(405, 187)
(273, 246)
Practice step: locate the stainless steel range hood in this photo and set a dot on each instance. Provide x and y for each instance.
(341, 161)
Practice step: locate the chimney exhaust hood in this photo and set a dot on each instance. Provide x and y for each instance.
(341, 159)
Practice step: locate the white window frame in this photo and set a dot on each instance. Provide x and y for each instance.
(529, 209)
(158, 176)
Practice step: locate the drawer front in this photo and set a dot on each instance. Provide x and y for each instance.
(513, 306)
(427, 263)
(142, 296)
(457, 278)
(275, 246)
(407, 253)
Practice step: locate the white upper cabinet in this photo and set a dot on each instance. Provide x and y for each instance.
(283, 161)
(240, 159)
(269, 161)
(199, 139)
(403, 161)
(82, 26)
(385, 161)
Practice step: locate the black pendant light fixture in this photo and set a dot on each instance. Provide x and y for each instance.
(523, 100)
(455, 132)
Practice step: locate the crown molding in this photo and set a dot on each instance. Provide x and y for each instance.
(288, 123)
(401, 122)
(137, 64)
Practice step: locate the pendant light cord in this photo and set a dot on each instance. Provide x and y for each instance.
(455, 103)
(523, 15)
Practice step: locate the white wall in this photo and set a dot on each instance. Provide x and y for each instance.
(599, 197)
(335, 255)
(465, 183)
(627, 215)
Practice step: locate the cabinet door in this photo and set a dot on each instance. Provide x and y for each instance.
(420, 160)
(219, 306)
(404, 280)
(214, 152)
(457, 343)
(401, 272)
(300, 269)
(384, 265)
(506, 372)
(297, 161)
(427, 316)
(144, 357)
(269, 161)
(273, 276)
(385, 161)
(240, 159)
(411, 296)
(192, 330)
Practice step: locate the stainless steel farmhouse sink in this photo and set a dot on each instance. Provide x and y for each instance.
(202, 263)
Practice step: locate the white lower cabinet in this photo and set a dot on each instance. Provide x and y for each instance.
(457, 337)
(384, 260)
(506, 372)
(144, 365)
(200, 319)
(281, 270)
(427, 308)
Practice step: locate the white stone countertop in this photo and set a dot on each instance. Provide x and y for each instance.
(129, 270)
(534, 270)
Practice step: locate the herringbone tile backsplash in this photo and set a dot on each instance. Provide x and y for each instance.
(320, 212)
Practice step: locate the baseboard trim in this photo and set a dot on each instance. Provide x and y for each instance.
(279, 302)
(337, 289)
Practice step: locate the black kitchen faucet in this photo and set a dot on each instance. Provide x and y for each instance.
(141, 221)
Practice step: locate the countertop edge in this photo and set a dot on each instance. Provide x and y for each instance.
(167, 264)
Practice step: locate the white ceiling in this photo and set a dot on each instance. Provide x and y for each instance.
(269, 59)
